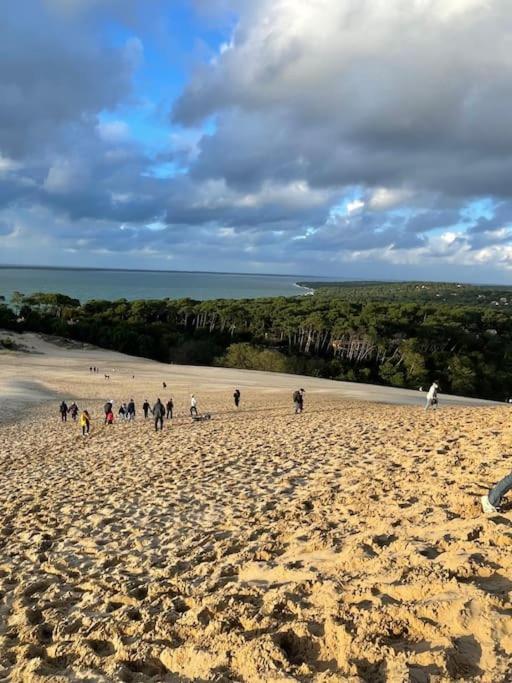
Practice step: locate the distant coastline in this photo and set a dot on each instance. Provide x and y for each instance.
(88, 284)
(309, 291)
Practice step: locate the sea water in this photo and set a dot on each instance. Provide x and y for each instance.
(84, 284)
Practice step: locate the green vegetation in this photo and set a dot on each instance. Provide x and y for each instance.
(405, 344)
(8, 344)
(416, 292)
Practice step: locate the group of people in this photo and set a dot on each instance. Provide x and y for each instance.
(490, 503)
(73, 410)
(127, 411)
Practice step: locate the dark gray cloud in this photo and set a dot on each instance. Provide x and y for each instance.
(337, 130)
(351, 92)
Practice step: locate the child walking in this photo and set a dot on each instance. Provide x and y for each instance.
(85, 422)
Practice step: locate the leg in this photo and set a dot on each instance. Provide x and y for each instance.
(500, 490)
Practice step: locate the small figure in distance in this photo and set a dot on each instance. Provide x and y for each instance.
(193, 405)
(164, 385)
(145, 408)
(492, 501)
(236, 397)
(109, 417)
(122, 410)
(90, 369)
(73, 411)
(169, 408)
(432, 399)
(298, 401)
(130, 410)
(85, 422)
(63, 409)
(107, 408)
(158, 414)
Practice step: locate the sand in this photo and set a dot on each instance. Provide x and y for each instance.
(344, 544)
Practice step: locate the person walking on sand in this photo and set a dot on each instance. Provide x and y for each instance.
(130, 411)
(63, 409)
(85, 422)
(236, 397)
(492, 501)
(145, 408)
(107, 408)
(297, 402)
(73, 411)
(432, 396)
(193, 405)
(169, 408)
(158, 414)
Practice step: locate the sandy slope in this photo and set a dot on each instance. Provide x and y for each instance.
(344, 544)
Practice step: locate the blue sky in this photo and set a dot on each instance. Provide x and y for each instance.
(339, 138)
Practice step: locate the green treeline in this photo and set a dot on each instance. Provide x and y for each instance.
(468, 349)
(499, 296)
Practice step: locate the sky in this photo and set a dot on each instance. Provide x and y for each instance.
(343, 138)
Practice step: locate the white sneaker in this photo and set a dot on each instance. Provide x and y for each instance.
(486, 505)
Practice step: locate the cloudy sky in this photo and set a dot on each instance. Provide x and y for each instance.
(354, 138)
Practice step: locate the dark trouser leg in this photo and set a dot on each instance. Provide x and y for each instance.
(159, 420)
(83, 430)
(500, 490)
(193, 410)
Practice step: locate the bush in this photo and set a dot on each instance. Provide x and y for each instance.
(247, 357)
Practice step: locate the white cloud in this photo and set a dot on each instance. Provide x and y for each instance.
(113, 131)
(7, 165)
(383, 198)
(355, 205)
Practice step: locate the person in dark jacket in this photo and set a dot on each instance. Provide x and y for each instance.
(63, 411)
(145, 408)
(130, 411)
(158, 414)
(169, 408)
(73, 411)
(236, 397)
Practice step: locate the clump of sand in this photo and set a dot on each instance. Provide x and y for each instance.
(344, 544)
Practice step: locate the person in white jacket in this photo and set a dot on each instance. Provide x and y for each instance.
(193, 405)
(432, 396)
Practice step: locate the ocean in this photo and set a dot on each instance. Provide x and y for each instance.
(85, 284)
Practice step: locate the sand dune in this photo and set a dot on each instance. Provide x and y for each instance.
(344, 544)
